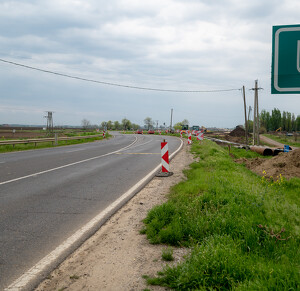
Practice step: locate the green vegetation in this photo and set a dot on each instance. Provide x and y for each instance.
(31, 146)
(243, 230)
(290, 140)
(285, 120)
(167, 254)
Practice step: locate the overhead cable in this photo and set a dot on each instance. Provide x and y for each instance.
(115, 84)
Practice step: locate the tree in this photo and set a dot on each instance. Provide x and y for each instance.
(126, 124)
(109, 125)
(275, 119)
(85, 124)
(148, 122)
(103, 125)
(284, 121)
(185, 122)
(293, 122)
(135, 126)
(288, 121)
(117, 125)
(265, 119)
(179, 125)
(297, 123)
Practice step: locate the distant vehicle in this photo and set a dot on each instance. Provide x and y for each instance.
(196, 127)
(289, 134)
(185, 127)
(139, 131)
(151, 131)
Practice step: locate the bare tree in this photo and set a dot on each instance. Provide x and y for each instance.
(148, 122)
(85, 124)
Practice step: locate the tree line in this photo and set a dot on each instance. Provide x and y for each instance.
(125, 124)
(286, 121)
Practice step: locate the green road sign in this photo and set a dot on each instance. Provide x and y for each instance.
(286, 60)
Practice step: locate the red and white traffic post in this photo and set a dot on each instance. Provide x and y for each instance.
(103, 134)
(181, 133)
(200, 136)
(165, 168)
(190, 138)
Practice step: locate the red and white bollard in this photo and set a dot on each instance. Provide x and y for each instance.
(200, 136)
(190, 138)
(103, 134)
(165, 168)
(181, 133)
(159, 132)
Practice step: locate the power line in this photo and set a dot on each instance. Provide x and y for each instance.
(115, 84)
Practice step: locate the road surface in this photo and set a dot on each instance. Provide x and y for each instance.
(47, 195)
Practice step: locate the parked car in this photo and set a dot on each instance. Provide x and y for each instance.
(139, 131)
(151, 131)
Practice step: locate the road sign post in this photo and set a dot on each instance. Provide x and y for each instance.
(286, 59)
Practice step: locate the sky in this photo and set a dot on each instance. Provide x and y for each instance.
(184, 45)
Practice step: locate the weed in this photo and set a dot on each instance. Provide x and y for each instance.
(167, 254)
(74, 277)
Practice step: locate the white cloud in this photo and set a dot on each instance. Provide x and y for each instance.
(171, 44)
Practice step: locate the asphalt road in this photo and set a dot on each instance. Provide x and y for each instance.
(47, 195)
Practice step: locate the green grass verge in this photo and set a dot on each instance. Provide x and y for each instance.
(243, 230)
(290, 140)
(31, 146)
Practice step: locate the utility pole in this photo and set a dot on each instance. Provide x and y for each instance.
(249, 112)
(49, 122)
(256, 115)
(156, 124)
(171, 119)
(245, 111)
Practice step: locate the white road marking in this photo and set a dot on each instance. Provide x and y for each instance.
(75, 151)
(41, 266)
(65, 166)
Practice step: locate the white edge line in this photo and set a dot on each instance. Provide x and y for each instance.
(41, 266)
(68, 165)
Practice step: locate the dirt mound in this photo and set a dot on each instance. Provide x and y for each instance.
(238, 132)
(286, 164)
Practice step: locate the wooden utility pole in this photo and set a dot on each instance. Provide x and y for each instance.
(256, 115)
(245, 111)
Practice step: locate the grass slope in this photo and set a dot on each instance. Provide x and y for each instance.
(41, 145)
(242, 229)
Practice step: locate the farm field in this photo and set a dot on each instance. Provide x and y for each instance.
(28, 133)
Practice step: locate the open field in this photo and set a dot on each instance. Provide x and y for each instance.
(36, 133)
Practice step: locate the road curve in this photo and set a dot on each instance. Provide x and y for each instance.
(47, 196)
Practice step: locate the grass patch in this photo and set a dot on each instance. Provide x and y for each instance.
(290, 140)
(31, 146)
(244, 234)
(167, 254)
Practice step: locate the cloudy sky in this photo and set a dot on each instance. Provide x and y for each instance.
(183, 45)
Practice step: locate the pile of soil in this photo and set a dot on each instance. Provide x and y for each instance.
(286, 164)
(238, 132)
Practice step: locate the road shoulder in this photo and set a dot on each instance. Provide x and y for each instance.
(117, 256)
